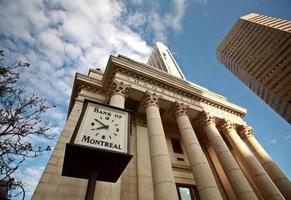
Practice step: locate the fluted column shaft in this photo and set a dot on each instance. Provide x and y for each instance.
(204, 179)
(255, 170)
(163, 177)
(275, 173)
(238, 181)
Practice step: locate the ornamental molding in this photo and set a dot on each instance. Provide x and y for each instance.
(245, 132)
(180, 109)
(157, 87)
(159, 82)
(85, 83)
(119, 88)
(150, 99)
(205, 118)
(89, 88)
(226, 126)
(178, 89)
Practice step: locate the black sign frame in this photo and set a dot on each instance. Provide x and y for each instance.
(80, 161)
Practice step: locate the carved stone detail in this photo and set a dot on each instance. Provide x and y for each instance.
(119, 88)
(150, 99)
(197, 100)
(245, 132)
(226, 126)
(180, 109)
(206, 118)
(88, 88)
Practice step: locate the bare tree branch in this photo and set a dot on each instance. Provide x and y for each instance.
(20, 118)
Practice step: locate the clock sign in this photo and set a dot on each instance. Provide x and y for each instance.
(104, 127)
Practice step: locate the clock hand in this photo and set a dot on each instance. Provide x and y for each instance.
(102, 127)
(99, 122)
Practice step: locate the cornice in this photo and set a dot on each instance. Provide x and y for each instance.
(141, 71)
(84, 82)
(97, 71)
(88, 83)
(147, 73)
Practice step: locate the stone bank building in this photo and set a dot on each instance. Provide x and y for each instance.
(187, 142)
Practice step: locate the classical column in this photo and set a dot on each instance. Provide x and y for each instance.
(204, 179)
(163, 178)
(254, 169)
(118, 94)
(238, 181)
(106, 190)
(275, 173)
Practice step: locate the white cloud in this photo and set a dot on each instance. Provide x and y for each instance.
(73, 34)
(31, 175)
(34, 171)
(60, 38)
(175, 18)
(158, 26)
(156, 22)
(136, 20)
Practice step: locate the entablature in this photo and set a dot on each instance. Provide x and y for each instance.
(149, 75)
(141, 78)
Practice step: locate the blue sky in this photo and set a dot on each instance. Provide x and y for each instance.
(62, 37)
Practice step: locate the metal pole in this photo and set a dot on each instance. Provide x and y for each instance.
(91, 186)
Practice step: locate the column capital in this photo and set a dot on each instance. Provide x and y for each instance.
(150, 99)
(205, 118)
(180, 109)
(245, 132)
(119, 88)
(226, 125)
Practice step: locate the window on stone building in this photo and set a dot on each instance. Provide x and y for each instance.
(187, 192)
(177, 148)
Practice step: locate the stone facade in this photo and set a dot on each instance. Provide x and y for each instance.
(183, 137)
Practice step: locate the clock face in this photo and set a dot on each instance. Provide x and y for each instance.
(104, 127)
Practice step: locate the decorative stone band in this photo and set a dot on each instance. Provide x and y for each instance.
(205, 118)
(226, 125)
(88, 88)
(245, 132)
(119, 88)
(180, 109)
(150, 99)
(142, 80)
